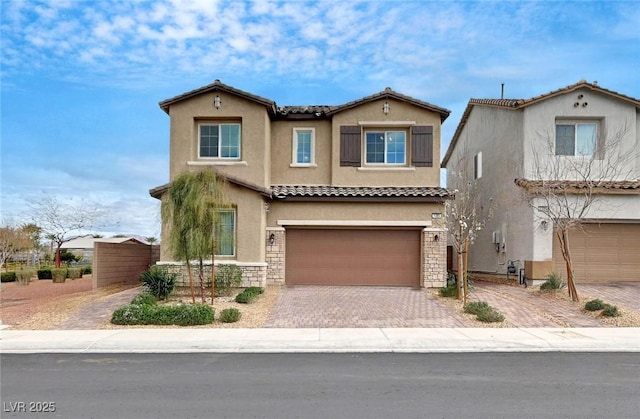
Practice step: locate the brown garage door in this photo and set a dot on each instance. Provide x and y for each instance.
(602, 253)
(352, 257)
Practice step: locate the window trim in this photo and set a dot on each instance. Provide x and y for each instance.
(219, 124)
(575, 123)
(385, 130)
(235, 233)
(294, 147)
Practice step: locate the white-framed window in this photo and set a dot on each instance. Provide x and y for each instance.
(576, 138)
(226, 233)
(386, 147)
(304, 143)
(219, 140)
(477, 165)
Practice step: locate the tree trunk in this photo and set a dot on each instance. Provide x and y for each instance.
(213, 269)
(460, 274)
(563, 238)
(201, 279)
(466, 271)
(58, 256)
(190, 274)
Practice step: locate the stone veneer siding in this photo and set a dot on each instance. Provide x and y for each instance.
(253, 275)
(275, 255)
(434, 254)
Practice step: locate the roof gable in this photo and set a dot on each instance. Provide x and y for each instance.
(218, 86)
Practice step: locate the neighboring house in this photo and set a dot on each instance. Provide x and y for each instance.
(499, 141)
(84, 245)
(340, 195)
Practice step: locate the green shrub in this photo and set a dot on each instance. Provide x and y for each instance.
(553, 282)
(59, 274)
(144, 298)
(246, 297)
(230, 315)
(74, 273)
(594, 305)
(181, 315)
(227, 277)
(610, 311)
(449, 291)
(158, 281)
(23, 276)
(490, 316)
(8, 276)
(45, 273)
(476, 307)
(255, 290)
(86, 270)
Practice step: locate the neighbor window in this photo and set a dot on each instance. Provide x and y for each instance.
(385, 147)
(226, 233)
(303, 146)
(219, 141)
(576, 139)
(477, 166)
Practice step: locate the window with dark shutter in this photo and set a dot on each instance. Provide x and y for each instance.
(422, 146)
(350, 145)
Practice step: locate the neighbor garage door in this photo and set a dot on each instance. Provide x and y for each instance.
(602, 253)
(352, 257)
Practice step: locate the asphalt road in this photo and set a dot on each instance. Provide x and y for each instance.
(490, 385)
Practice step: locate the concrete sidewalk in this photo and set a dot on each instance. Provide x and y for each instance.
(417, 340)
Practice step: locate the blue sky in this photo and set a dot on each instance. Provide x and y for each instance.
(81, 80)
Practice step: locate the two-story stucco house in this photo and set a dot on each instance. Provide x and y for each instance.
(505, 140)
(340, 195)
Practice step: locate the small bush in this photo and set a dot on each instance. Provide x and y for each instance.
(144, 298)
(452, 278)
(74, 273)
(86, 270)
(59, 274)
(23, 276)
(594, 305)
(45, 273)
(8, 276)
(610, 311)
(553, 282)
(490, 316)
(158, 281)
(230, 315)
(449, 291)
(476, 307)
(246, 297)
(255, 290)
(181, 315)
(227, 277)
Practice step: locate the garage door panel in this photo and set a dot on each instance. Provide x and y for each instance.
(603, 253)
(352, 257)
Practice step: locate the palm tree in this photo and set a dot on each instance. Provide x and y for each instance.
(191, 211)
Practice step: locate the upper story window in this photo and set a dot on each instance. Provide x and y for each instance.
(386, 147)
(219, 141)
(477, 165)
(303, 147)
(576, 138)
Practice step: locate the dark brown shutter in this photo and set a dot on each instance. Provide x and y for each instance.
(422, 146)
(350, 145)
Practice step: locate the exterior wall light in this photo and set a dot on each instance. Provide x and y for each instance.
(386, 108)
(272, 239)
(217, 102)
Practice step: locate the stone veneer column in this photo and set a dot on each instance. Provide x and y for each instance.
(434, 257)
(275, 255)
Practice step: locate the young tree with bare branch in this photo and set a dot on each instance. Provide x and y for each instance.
(567, 185)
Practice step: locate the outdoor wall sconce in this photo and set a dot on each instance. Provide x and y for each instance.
(272, 239)
(436, 238)
(217, 101)
(544, 224)
(386, 108)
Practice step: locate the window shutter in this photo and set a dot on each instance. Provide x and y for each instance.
(422, 146)
(350, 145)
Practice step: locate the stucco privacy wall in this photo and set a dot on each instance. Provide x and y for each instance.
(121, 262)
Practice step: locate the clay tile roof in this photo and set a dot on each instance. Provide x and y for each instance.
(286, 191)
(576, 185)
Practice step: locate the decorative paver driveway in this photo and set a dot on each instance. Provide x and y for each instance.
(327, 306)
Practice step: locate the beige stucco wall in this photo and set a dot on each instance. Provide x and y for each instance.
(282, 143)
(255, 150)
(348, 211)
(400, 111)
